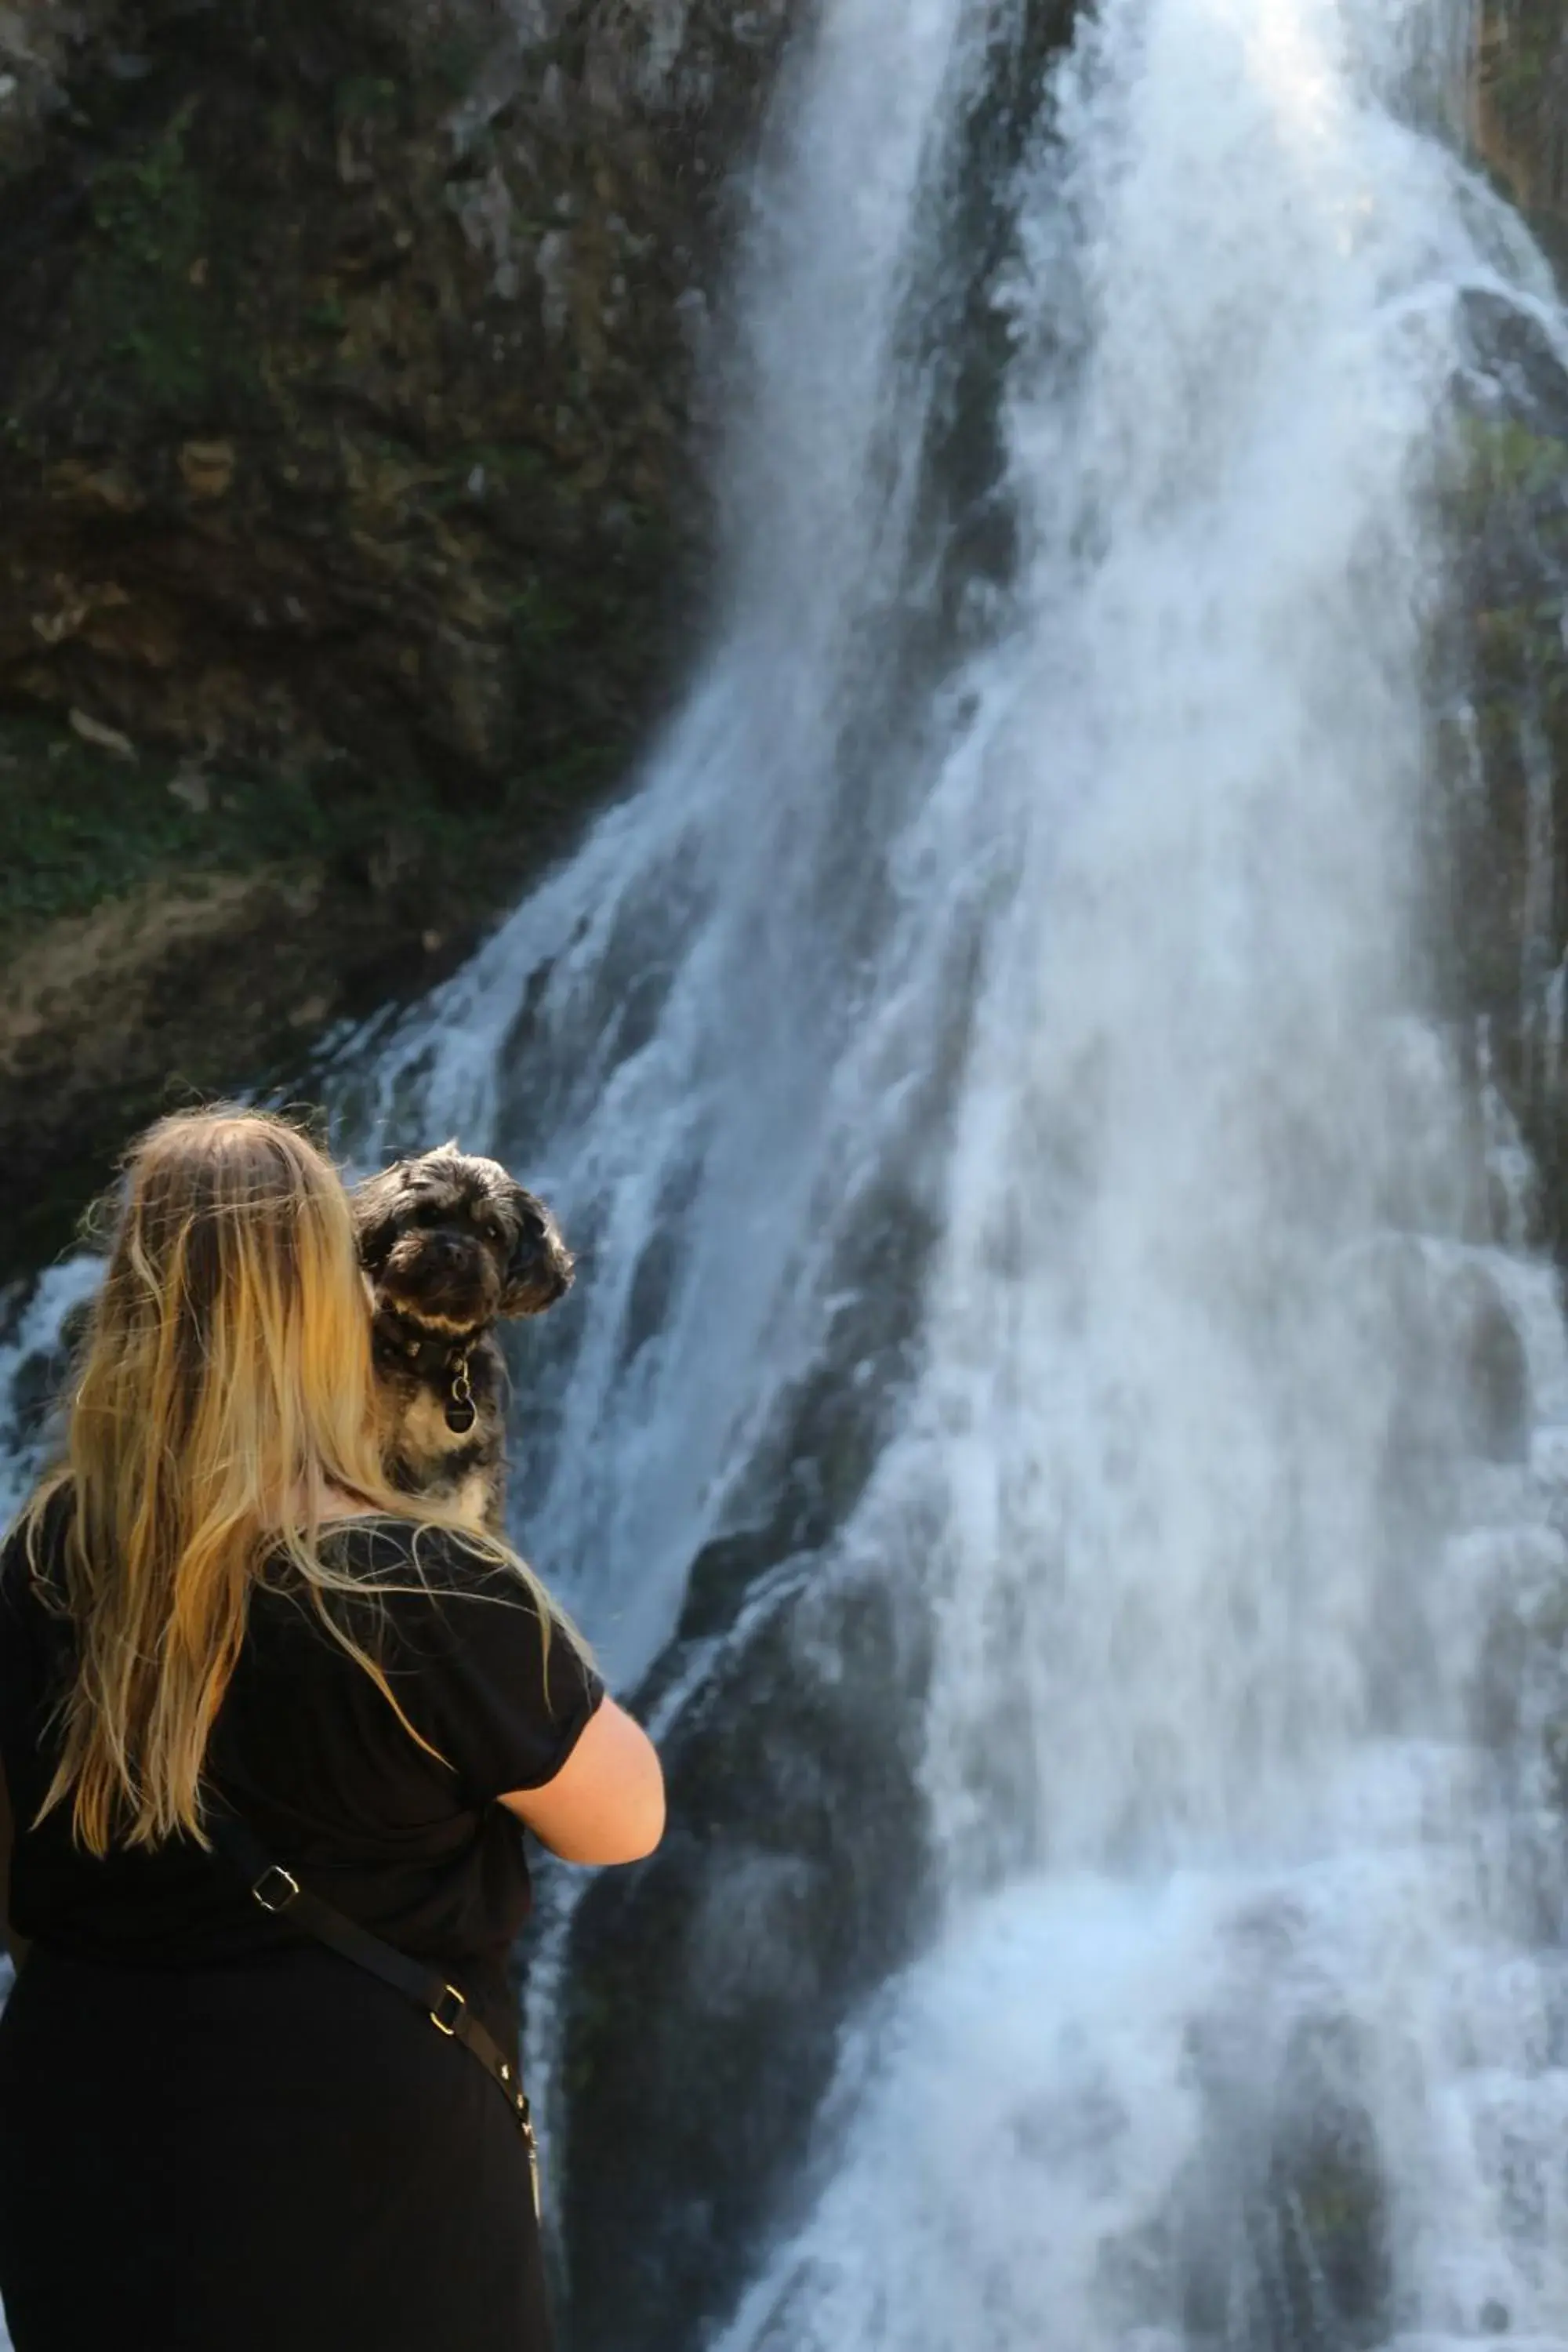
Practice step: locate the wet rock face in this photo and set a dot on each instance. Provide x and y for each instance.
(707, 1989)
(1519, 1713)
(346, 369)
(1522, 105)
(1505, 741)
(1280, 2233)
(1286, 2220)
(1450, 1310)
(1503, 747)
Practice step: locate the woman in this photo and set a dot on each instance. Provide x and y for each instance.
(217, 2135)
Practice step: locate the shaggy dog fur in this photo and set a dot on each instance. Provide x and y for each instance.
(452, 1245)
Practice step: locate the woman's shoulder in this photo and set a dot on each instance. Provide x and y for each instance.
(473, 1655)
(32, 1549)
(439, 1559)
(415, 1570)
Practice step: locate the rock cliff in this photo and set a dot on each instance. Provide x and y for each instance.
(1521, 103)
(346, 360)
(1504, 744)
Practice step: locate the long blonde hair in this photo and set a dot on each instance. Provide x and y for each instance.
(225, 1383)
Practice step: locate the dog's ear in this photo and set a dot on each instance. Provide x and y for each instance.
(377, 1206)
(531, 1223)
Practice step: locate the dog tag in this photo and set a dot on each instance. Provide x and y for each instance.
(461, 1412)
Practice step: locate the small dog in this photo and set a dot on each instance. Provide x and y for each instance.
(451, 1245)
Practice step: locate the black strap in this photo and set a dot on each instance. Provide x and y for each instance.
(279, 1894)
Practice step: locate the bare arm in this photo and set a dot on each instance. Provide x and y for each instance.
(606, 1802)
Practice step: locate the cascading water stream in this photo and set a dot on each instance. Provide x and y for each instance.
(989, 1068)
(1194, 1744)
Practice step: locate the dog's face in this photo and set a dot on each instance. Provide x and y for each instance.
(455, 1242)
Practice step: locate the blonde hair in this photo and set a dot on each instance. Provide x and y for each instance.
(226, 1382)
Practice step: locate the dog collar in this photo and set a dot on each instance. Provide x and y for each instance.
(436, 1359)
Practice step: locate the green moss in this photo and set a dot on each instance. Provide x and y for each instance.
(517, 462)
(143, 289)
(1505, 458)
(538, 620)
(78, 826)
(455, 61)
(328, 318)
(367, 98)
(287, 124)
(1521, 57)
(507, 469)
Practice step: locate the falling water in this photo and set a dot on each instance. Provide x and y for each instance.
(989, 1066)
(1219, 1950)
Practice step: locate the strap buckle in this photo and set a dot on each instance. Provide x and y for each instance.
(276, 1881)
(448, 2013)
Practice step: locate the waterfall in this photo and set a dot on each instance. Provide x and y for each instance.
(1041, 1371)
(1220, 2039)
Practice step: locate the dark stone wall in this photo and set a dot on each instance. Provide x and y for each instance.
(352, 521)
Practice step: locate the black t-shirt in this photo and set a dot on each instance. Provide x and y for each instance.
(308, 1751)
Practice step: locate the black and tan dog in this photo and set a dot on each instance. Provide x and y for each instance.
(452, 1245)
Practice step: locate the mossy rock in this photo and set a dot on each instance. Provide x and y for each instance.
(351, 574)
(1499, 831)
(166, 935)
(144, 291)
(1518, 1702)
(1281, 2235)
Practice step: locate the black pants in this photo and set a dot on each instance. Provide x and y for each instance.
(281, 2156)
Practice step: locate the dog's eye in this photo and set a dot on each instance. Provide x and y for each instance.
(426, 1213)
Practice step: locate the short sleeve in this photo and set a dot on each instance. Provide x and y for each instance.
(502, 1695)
